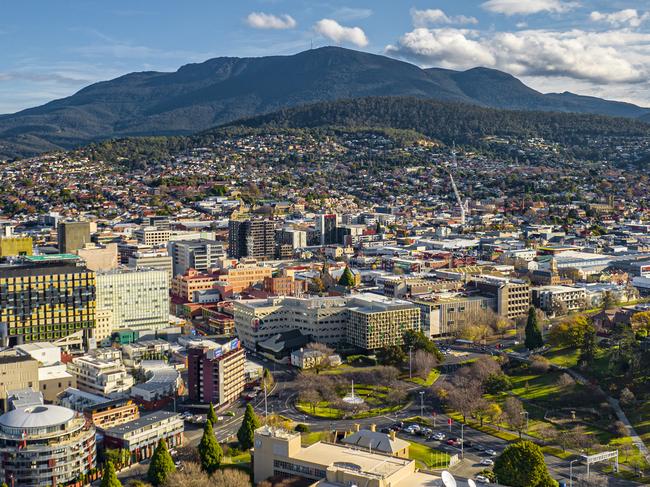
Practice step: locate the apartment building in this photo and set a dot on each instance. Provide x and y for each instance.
(185, 286)
(102, 376)
(45, 300)
(244, 274)
(251, 238)
(141, 435)
(108, 414)
(216, 375)
(201, 254)
(559, 299)
(43, 445)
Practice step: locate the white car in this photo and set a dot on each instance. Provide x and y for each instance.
(439, 436)
(488, 462)
(490, 452)
(482, 479)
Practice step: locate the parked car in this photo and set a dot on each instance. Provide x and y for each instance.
(482, 479)
(487, 462)
(490, 452)
(439, 436)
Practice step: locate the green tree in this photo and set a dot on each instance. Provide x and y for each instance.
(267, 380)
(109, 477)
(570, 332)
(588, 349)
(391, 355)
(419, 341)
(347, 278)
(534, 338)
(246, 432)
(162, 464)
(212, 416)
(210, 451)
(609, 300)
(522, 465)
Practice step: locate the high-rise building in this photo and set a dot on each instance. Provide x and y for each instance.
(72, 236)
(326, 227)
(153, 260)
(152, 236)
(43, 301)
(201, 254)
(251, 238)
(216, 375)
(44, 445)
(137, 298)
(512, 295)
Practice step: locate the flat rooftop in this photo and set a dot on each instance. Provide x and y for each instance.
(140, 423)
(359, 460)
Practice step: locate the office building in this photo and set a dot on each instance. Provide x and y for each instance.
(443, 314)
(201, 254)
(72, 236)
(294, 237)
(512, 295)
(186, 286)
(16, 372)
(138, 299)
(279, 453)
(14, 246)
(251, 238)
(326, 228)
(45, 445)
(153, 260)
(243, 274)
(216, 375)
(322, 318)
(375, 321)
(559, 299)
(43, 301)
(140, 437)
(152, 236)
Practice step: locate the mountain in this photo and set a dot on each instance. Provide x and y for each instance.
(220, 90)
(445, 121)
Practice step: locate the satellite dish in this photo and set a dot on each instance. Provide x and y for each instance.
(448, 479)
(471, 483)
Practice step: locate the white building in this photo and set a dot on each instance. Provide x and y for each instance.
(554, 298)
(153, 260)
(201, 254)
(137, 298)
(101, 376)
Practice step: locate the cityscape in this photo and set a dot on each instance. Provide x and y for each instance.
(330, 267)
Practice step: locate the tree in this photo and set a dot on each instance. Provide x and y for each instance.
(522, 465)
(609, 300)
(494, 413)
(570, 332)
(193, 476)
(347, 278)
(212, 416)
(391, 355)
(109, 477)
(246, 433)
(423, 363)
(267, 380)
(162, 463)
(419, 341)
(325, 352)
(513, 410)
(497, 383)
(588, 348)
(539, 364)
(210, 452)
(534, 338)
(641, 322)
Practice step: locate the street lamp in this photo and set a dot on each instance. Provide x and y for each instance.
(462, 440)
(571, 472)
(422, 404)
(410, 361)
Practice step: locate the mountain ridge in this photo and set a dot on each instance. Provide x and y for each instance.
(198, 96)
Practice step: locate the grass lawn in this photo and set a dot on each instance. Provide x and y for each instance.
(433, 376)
(242, 458)
(322, 410)
(428, 457)
(564, 357)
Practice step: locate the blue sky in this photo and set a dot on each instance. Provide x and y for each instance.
(50, 49)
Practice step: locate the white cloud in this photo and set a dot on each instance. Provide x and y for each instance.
(598, 57)
(526, 7)
(261, 20)
(433, 16)
(334, 31)
(627, 17)
(351, 13)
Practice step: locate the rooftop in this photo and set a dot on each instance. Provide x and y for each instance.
(140, 423)
(36, 417)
